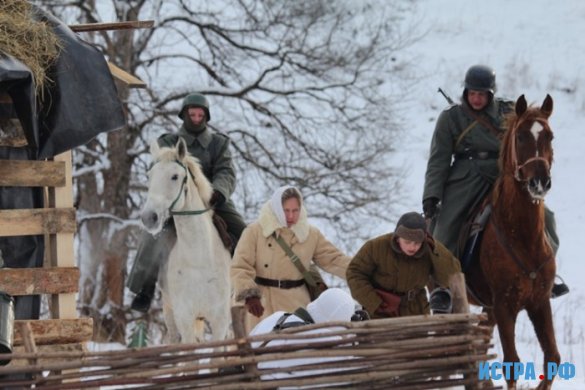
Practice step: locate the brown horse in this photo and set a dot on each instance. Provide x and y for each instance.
(516, 263)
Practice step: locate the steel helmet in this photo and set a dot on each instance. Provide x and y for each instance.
(481, 78)
(195, 100)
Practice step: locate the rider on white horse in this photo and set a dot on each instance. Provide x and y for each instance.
(212, 150)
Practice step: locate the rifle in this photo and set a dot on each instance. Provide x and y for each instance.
(449, 100)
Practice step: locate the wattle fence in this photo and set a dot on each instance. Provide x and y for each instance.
(420, 352)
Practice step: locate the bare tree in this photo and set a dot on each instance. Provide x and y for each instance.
(305, 90)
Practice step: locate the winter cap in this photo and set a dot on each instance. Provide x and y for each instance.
(333, 304)
(411, 226)
(276, 203)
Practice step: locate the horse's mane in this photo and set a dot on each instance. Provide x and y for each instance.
(203, 186)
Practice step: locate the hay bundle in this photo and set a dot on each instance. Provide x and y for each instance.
(30, 41)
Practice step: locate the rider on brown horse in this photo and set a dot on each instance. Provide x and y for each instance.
(463, 161)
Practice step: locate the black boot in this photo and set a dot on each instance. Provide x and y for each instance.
(141, 302)
(143, 299)
(559, 289)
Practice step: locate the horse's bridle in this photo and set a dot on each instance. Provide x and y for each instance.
(186, 212)
(514, 156)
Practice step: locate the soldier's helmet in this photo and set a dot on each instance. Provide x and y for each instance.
(195, 100)
(481, 78)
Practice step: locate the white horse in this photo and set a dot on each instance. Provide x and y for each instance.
(195, 280)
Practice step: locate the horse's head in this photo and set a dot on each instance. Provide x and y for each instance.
(527, 151)
(176, 183)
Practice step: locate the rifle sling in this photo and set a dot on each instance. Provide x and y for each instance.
(495, 131)
(464, 133)
(295, 260)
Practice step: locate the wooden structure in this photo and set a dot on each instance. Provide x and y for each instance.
(421, 352)
(59, 278)
(119, 74)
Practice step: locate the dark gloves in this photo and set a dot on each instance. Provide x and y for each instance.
(390, 306)
(384, 311)
(216, 198)
(431, 207)
(254, 306)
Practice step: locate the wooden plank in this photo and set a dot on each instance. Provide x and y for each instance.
(61, 331)
(60, 246)
(459, 292)
(125, 77)
(27, 222)
(35, 281)
(112, 26)
(57, 348)
(12, 134)
(32, 173)
(30, 346)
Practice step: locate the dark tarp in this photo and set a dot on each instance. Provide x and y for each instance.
(81, 103)
(16, 80)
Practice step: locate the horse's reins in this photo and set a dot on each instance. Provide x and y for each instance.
(186, 212)
(499, 236)
(504, 243)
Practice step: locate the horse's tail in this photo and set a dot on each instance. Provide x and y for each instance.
(199, 328)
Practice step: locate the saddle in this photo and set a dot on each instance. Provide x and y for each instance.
(221, 227)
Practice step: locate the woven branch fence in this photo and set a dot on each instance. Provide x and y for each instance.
(420, 352)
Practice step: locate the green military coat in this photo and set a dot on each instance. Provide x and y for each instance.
(460, 183)
(381, 264)
(212, 151)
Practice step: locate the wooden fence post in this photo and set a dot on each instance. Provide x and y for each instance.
(457, 287)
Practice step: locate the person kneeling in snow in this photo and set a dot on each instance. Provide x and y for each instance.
(333, 305)
(389, 273)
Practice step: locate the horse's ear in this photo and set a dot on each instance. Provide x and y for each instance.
(154, 148)
(521, 105)
(181, 148)
(547, 106)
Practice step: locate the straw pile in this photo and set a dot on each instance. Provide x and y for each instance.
(30, 41)
(422, 352)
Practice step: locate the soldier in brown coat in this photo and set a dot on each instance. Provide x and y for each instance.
(389, 273)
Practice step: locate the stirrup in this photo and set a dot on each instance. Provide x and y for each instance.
(560, 289)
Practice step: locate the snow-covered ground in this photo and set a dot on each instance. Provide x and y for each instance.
(536, 48)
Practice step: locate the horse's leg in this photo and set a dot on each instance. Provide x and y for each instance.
(506, 320)
(172, 336)
(541, 318)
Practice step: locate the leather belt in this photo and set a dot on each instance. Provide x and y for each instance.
(409, 295)
(285, 284)
(475, 155)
